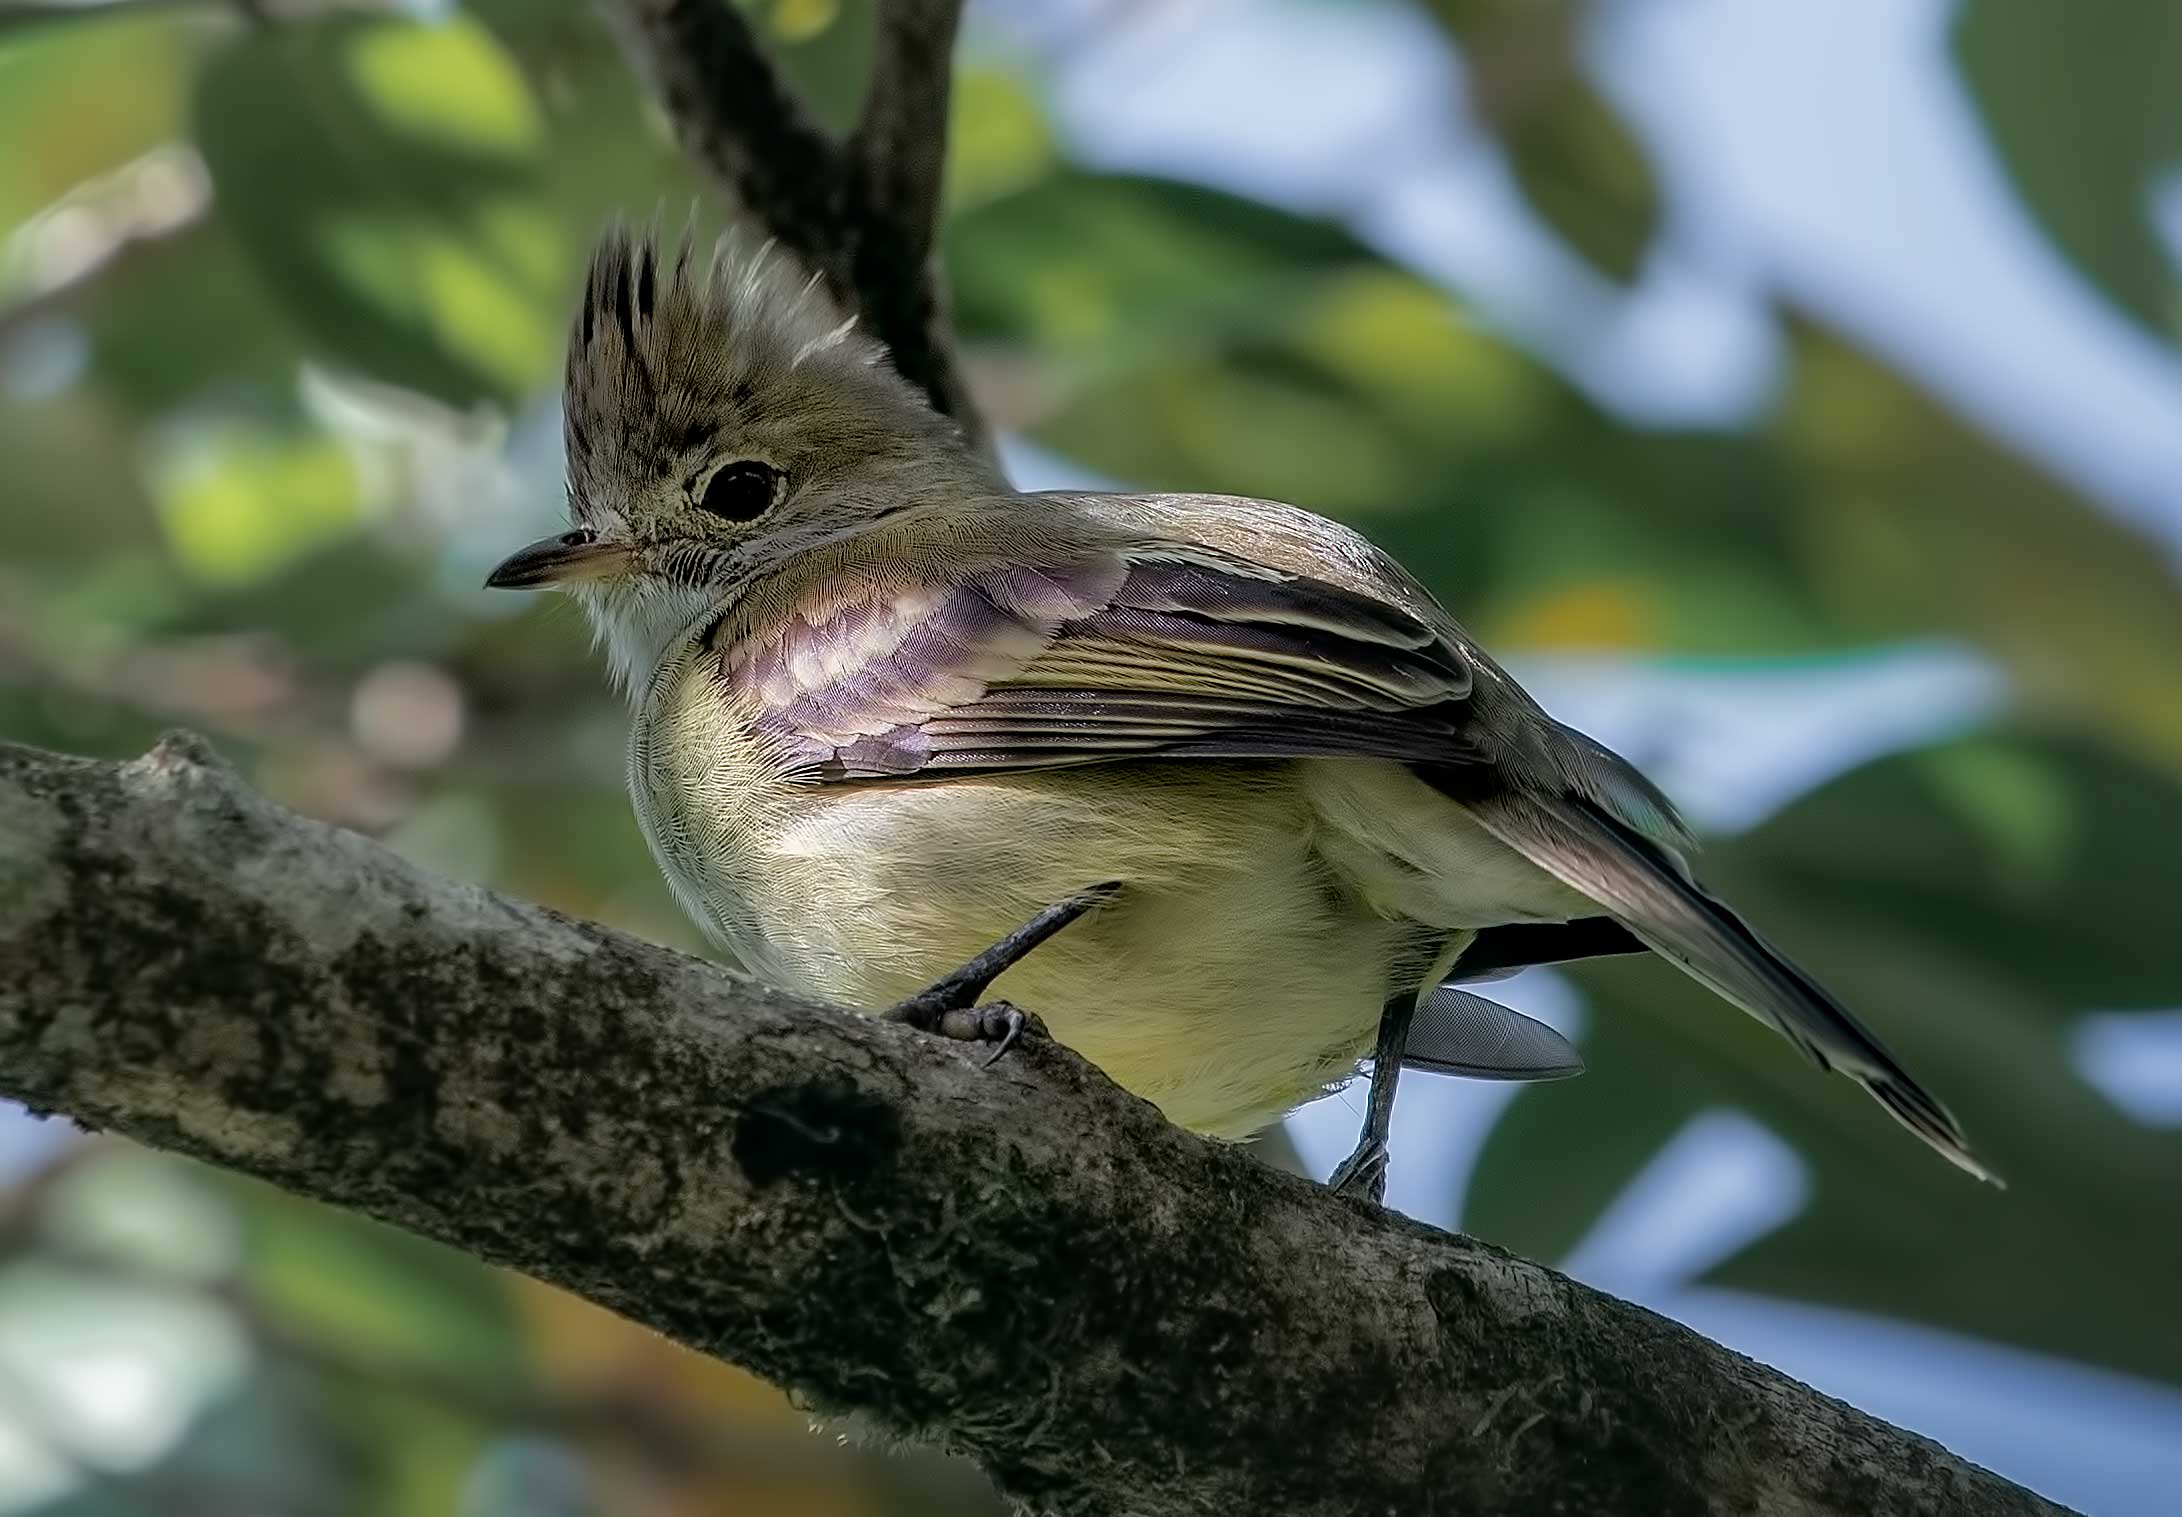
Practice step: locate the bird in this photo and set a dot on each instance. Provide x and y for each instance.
(887, 708)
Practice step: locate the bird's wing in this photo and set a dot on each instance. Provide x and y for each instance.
(1103, 655)
(1176, 650)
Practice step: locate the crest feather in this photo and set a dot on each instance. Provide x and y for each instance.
(683, 344)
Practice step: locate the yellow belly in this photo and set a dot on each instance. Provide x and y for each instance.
(1233, 978)
(1267, 910)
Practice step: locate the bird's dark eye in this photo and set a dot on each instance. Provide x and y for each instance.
(741, 491)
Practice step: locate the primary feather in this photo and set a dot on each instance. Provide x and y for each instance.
(1649, 892)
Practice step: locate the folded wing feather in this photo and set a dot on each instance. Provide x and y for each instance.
(1108, 658)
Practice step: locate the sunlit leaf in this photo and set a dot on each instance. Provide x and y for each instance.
(609, 150)
(398, 211)
(239, 500)
(998, 140)
(448, 98)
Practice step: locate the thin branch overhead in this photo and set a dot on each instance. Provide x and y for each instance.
(863, 214)
(899, 150)
(1022, 1263)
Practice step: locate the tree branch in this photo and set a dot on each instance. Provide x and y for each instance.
(1024, 1263)
(862, 216)
(736, 116)
(899, 150)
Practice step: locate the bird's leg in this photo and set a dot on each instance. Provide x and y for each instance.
(1363, 1172)
(948, 1006)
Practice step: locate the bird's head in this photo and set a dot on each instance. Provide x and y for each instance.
(721, 416)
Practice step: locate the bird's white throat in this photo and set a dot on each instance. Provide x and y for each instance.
(635, 621)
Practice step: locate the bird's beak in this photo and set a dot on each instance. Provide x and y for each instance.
(561, 560)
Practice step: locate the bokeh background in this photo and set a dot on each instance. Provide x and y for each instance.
(1790, 391)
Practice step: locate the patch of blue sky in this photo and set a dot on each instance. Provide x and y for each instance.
(2134, 1059)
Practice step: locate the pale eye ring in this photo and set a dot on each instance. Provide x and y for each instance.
(741, 491)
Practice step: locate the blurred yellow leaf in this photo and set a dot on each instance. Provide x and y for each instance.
(998, 138)
(448, 85)
(238, 501)
(1598, 614)
(1406, 344)
(801, 20)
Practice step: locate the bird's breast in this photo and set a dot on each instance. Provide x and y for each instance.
(710, 789)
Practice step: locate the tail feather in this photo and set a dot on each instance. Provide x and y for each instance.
(1649, 891)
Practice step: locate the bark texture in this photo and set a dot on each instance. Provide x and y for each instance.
(1024, 1263)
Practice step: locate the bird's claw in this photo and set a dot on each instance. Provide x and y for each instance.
(1013, 1022)
(1362, 1173)
(999, 1024)
(948, 1006)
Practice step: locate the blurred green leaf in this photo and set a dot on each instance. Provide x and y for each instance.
(609, 150)
(398, 210)
(1578, 165)
(1972, 956)
(2034, 855)
(2081, 104)
(1910, 522)
(1582, 171)
(1105, 272)
(190, 321)
(346, 600)
(358, 1285)
(239, 500)
(362, 1293)
(72, 514)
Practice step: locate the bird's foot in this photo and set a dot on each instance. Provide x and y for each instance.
(999, 1024)
(1362, 1173)
(949, 1005)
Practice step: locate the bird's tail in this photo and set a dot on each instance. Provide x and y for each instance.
(1649, 891)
